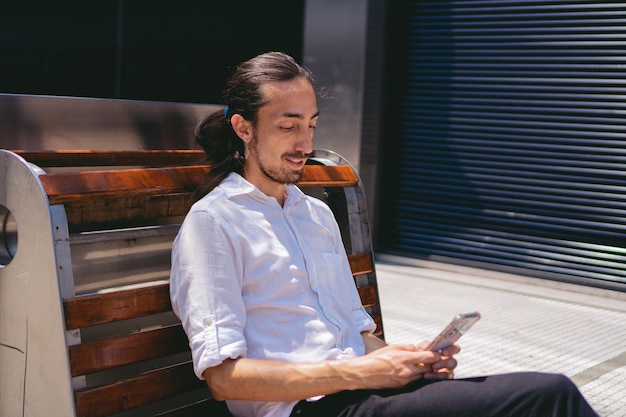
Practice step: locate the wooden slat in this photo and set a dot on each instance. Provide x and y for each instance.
(361, 263)
(93, 158)
(314, 175)
(379, 325)
(126, 349)
(369, 295)
(143, 209)
(136, 391)
(328, 176)
(121, 183)
(119, 305)
(127, 183)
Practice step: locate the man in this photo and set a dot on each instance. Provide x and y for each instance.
(262, 285)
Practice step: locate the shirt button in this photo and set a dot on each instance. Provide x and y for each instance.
(208, 321)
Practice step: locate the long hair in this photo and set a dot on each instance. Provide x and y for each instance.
(242, 95)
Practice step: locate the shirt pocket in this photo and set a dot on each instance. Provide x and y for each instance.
(336, 280)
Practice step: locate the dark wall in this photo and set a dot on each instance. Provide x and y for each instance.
(138, 49)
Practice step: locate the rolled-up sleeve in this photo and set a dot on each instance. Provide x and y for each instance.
(205, 290)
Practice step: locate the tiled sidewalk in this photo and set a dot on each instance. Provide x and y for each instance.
(549, 327)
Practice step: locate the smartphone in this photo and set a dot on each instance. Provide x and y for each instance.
(453, 331)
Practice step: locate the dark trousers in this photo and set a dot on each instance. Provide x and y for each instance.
(515, 394)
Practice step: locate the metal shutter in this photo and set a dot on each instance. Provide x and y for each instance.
(505, 136)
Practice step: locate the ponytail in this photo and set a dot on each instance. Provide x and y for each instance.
(223, 148)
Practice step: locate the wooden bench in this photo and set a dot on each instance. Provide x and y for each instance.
(86, 327)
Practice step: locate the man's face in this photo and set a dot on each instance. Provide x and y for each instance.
(283, 136)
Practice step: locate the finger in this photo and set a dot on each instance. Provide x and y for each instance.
(410, 348)
(423, 369)
(451, 350)
(432, 358)
(449, 364)
(423, 345)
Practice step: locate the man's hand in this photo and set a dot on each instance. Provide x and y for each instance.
(441, 369)
(397, 365)
(444, 369)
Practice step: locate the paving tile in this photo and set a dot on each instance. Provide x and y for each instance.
(607, 393)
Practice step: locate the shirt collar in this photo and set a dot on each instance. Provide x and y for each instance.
(235, 185)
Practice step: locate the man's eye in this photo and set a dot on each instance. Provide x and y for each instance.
(286, 127)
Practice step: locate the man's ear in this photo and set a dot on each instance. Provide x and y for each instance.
(242, 127)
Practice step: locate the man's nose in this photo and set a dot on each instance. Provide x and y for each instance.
(305, 141)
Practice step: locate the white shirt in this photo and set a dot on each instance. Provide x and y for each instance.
(253, 279)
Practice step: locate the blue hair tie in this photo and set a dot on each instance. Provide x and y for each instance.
(226, 111)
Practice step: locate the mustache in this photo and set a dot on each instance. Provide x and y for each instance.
(298, 155)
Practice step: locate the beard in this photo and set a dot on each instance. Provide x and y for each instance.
(278, 174)
(282, 176)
